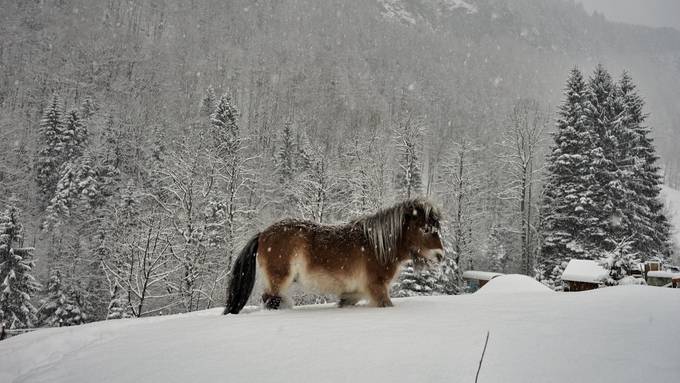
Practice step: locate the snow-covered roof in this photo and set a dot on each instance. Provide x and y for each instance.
(663, 274)
(480, 275)
(584, 270)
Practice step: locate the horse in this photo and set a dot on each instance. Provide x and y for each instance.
(357, 260)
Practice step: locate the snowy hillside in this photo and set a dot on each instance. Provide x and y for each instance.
(399, 9)
(672, 197)
(619, 334)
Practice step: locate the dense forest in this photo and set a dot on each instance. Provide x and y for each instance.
(144, 142)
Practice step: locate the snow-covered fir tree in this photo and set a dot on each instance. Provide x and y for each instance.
(620, 263)
(233, 165)
(497, 256)
(286, 155)
(89, 184)
(441, 279)
(606, 221)
(603, 183)
(553, 278)
(119, 308)
(17, 284)
(649, 226)
(66, 191)
(50, 155)
(209, 101)
(78, 186)
(297, 173)
(88, 108)
(413, 282)
(112, 151)
(567, 197)
(224, 126)
(60, 307)
(73, 137)
(449, 277)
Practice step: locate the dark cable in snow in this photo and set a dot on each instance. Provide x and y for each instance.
(482, 358)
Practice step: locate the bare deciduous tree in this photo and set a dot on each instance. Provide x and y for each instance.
(521, 146)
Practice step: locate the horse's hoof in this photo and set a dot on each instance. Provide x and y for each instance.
(346, 303)
(271, 302)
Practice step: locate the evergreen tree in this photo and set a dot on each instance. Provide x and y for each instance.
(649, 226)
(119, 308)
(66, 191)
(412, 282)
(225, 129)
(88, 183)
(415, 280)
(50, 154)
(286, 154)
(234, 171)
(112, 151)
(88, 108)
(606, 189)
(209, 102)
(78, 187)
(552, 278)
(607, 221)
(448, 277)
(568, 194)
(60, 308)
(16, 282)
(496, 254)
(73, 137)
(301, 173)
(620, 262)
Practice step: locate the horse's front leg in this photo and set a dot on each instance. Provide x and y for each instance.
(271, 302)
(380, 296)
(348, 299)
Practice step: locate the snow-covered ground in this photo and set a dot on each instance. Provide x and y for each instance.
(617, 334)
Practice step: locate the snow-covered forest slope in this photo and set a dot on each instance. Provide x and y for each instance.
(619, 334)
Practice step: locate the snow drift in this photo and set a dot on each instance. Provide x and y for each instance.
(618, 334)
(512, 284)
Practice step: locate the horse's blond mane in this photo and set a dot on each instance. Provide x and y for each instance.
(383, 229)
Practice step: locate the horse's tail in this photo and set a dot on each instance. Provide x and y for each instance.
(242, 277)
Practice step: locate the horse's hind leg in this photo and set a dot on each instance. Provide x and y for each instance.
(379, 295)
(278, 280)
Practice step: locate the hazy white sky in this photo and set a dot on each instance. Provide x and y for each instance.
(656, 13)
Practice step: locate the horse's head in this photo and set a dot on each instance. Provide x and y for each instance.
(421, 233)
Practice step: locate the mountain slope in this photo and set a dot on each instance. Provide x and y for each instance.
(603, 335)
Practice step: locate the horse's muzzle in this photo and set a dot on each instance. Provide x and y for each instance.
(434, 255)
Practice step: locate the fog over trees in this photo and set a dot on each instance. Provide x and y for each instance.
(143, 143)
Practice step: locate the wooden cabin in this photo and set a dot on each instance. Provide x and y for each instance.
(475, 279)
(652, 266)
(582, 275)
(663, 279)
